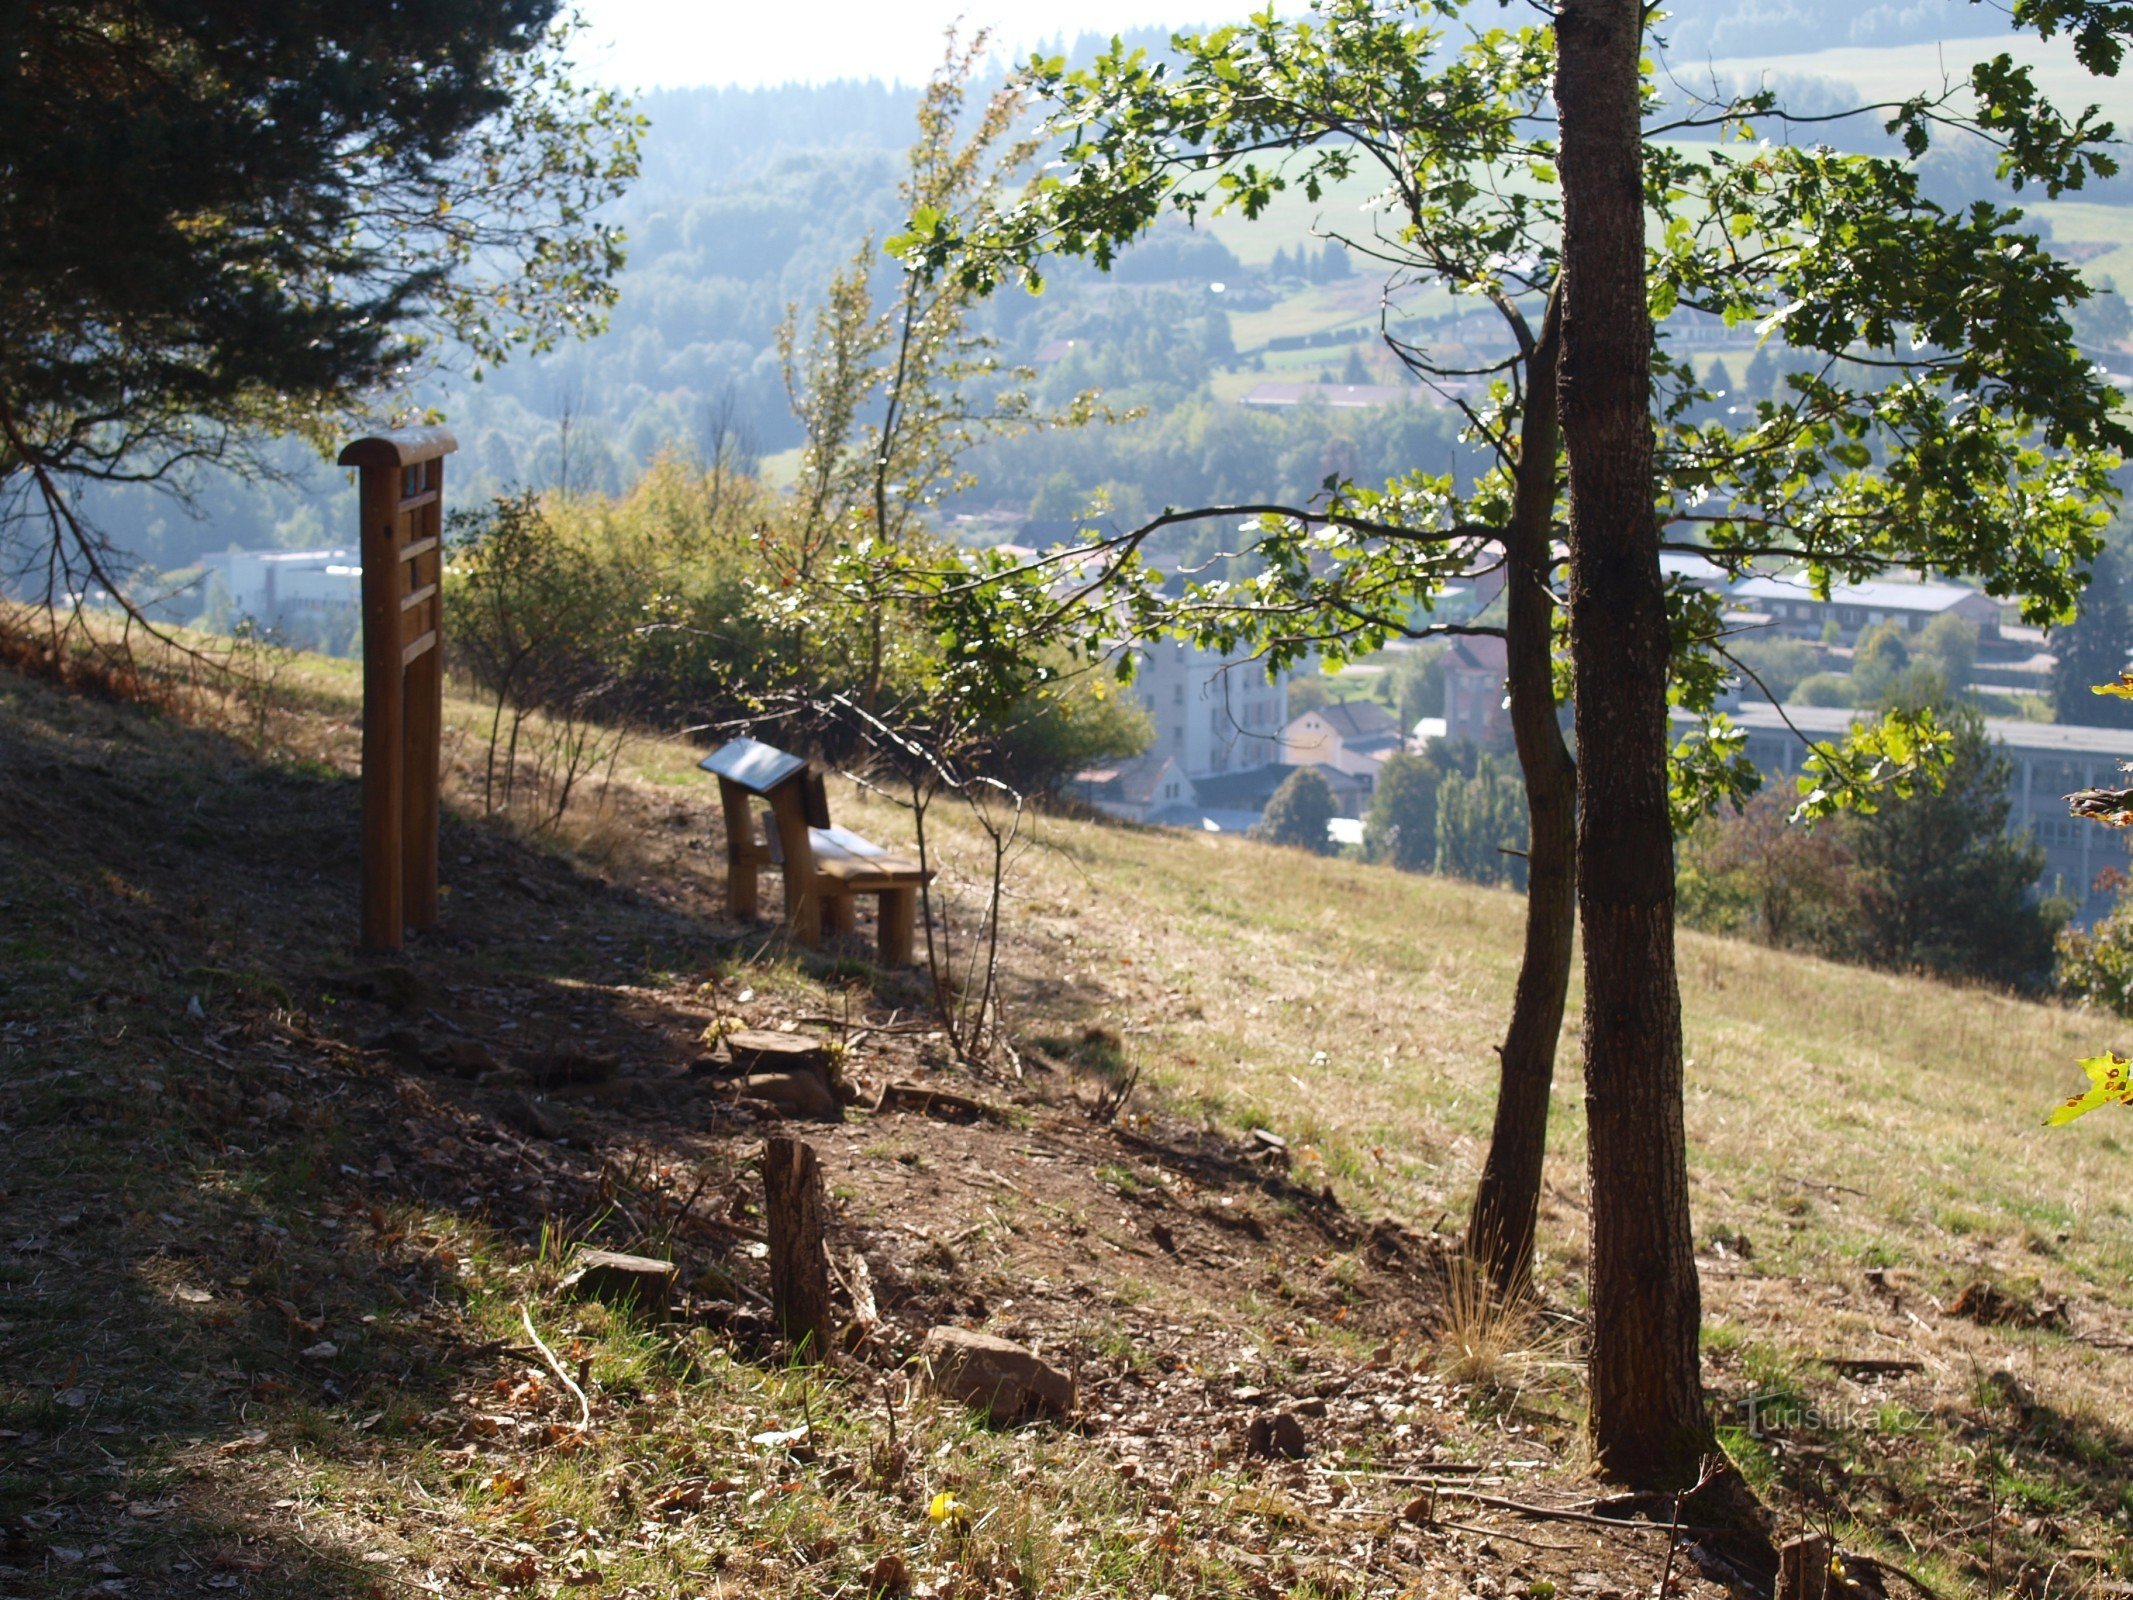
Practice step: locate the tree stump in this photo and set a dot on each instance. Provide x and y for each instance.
(1803, 1568)
(799, 1261)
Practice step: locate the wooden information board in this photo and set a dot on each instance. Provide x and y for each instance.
(402, 493)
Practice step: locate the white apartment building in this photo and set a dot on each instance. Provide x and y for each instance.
(1212, 713)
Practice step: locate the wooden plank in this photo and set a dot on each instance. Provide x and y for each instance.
(421, 794)
(415, 502)
(898, 927)
(384, 923)
(869, 877)
(755, 766)
(844, 842)
(802, 900)
(419, 648)
(418, 547)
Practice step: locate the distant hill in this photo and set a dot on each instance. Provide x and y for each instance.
(1714, 28)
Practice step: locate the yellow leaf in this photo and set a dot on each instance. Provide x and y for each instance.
(947, 1508)
(2123, 688)
(2110, 1083)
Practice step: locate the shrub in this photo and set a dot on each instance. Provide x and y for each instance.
(1756, 872)
(1944, 887)
(1299, 812)
(1825, 689)
(2095, 965)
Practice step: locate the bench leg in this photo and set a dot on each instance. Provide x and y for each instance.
(837, 913)
(803, 908)
(899, 926)
(741, 890)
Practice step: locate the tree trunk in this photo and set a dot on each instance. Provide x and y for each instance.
(799, 1260)
(1500, 1228)
(1650, 1426)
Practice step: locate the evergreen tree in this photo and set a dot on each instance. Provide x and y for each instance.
(1401, 827)
(2094, 648)
(1335, 264)
(224, 219)
(1355, 371)
(1481, 826)
(1759, 382)
(1298, 813)
(1944, 887)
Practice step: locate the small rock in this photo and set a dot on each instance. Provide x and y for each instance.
(798, 1094)
(324, 1350)
(618, 1279)
(1280, 1436)
(1313, 1407)
(466, 1058)
(530, 1117)
(994, 1375)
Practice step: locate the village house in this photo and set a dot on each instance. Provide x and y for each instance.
(1350, 736)
(1474, 703)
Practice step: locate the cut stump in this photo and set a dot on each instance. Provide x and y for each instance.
(755, 1050)
(799, 1260)
(618, 1279)
(1803, 1568)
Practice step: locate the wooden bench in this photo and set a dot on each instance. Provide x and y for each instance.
(826, 868)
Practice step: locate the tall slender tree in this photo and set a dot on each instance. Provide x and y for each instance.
(1649, 1420)
(1936, 415)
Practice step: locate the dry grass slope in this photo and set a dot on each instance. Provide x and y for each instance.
(264, 1270)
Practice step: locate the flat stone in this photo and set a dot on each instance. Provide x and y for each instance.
(1280, 1436)
(618, 1279)
(757, 1050)
(995, 1376)
(797, 1094)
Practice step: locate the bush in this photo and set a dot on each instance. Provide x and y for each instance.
(1949, 644)
(1825, 689)
(1298, 813)
(1880, 658)
(1756, 872)
(2095, 966)
(1401, 826)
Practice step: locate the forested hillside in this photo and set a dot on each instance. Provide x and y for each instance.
(750, 198)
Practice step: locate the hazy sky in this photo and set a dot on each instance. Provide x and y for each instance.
(651, 44)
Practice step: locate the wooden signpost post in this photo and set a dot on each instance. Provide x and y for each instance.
(402, 488)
